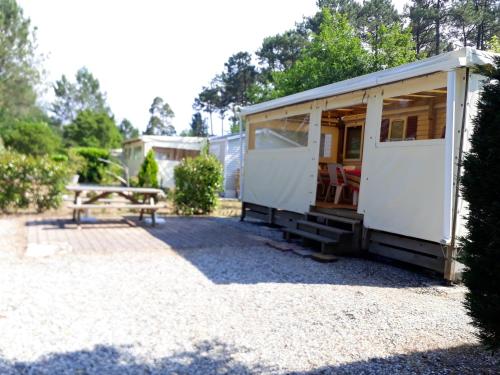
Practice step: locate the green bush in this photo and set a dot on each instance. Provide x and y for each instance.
(31, 181)
(31, 138)
(92, 170)
(198, 182)
(481, 246)
(148, 174)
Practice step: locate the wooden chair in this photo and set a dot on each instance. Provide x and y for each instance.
(335, 184)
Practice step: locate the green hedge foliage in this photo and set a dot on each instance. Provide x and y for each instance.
(198, 182)
(92, 170)
(27, 181)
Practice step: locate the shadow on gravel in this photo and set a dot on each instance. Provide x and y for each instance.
(229, 252)
(213, 357)
(208, 357)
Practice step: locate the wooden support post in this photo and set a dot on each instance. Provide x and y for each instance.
(450, 264)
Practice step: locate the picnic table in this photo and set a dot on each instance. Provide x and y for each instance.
(144, 199)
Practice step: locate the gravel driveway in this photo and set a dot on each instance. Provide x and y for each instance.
(208, 296)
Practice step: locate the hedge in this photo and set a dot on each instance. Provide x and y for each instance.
(27, 181)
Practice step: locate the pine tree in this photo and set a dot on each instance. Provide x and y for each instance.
(481, 246)
(148, 174)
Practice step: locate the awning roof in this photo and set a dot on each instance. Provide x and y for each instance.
(445, 62)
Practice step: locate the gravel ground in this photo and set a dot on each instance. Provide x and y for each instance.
(211, 309)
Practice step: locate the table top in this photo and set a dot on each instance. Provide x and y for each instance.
(114, 189)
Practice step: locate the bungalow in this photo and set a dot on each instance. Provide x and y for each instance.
(372, 162)
(169, 151)
(227, 149)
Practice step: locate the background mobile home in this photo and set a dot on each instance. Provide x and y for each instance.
(169, 151)
(227, 149)
(394, 139)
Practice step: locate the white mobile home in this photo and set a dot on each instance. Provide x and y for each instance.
(227, 149)
(378, 152)
(169, 151)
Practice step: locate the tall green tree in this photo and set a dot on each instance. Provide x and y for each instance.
(160, 122)
(198, 126)
(376, 17)
(462, 20)
(19, 73)
(74, 97)
(279, 52)
(420, 14)
(127, 130)
(207, 102)
(335, 54)
(92, 129)
(481, 246)
(393, 46)
(239, 74)
(348, 8)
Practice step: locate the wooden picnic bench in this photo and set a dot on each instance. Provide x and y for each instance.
(143, 199)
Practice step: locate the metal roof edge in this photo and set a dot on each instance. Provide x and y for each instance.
(466, 56)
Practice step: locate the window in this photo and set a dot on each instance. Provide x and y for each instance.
(397, 130)
(353, 142)
(416, 116)
(288, 132)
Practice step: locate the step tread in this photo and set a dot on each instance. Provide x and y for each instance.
(311, 236)
(334, 217)
(324, 227)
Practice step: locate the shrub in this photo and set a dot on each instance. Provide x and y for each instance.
(31, 181)
(481, 246)
(148, 174)
(197, 184)
(92, 170)
(31, 138)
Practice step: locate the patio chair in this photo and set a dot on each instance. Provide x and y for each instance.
(335, 184)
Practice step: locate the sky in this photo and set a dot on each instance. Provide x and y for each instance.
(142, 49)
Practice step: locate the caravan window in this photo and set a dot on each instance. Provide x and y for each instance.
(413, 117)
(288, 132)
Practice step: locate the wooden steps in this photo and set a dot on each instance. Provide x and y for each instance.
(335, 235)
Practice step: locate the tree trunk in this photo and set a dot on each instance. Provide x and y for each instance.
(438, 28)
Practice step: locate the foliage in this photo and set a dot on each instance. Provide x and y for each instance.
(73, 98)
(198, 126)
(19, 72)
(420, 16)
(92, 129)
(198, 182)
(481, 246)
(127, 130)
(494, 44)
(160, 122)
(335, 54)
(92, 170)
(393, 46)
(31, 181)
(207, 101)
(148, 173)
(31, 138)
(280, 52)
